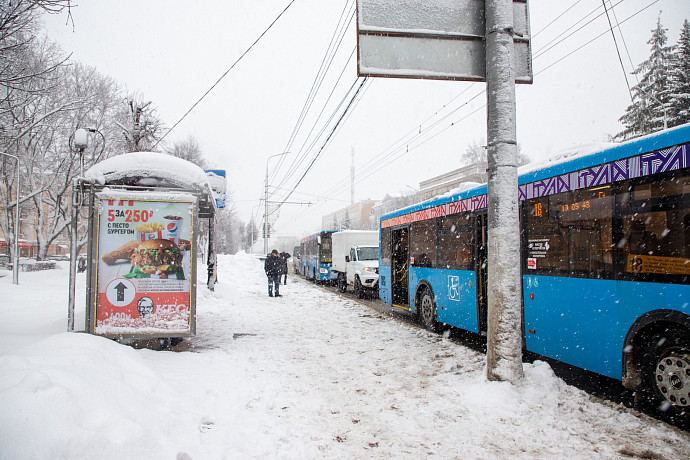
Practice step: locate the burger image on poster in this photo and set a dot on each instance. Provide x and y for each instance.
(156, 257)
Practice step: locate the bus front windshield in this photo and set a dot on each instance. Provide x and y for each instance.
(325, 250)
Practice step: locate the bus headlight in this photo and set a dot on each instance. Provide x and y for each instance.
(323, 271)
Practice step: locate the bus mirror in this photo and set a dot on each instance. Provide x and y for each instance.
(318, 239)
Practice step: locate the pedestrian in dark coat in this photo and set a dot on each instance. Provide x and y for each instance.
(284, 256)
(273, 266)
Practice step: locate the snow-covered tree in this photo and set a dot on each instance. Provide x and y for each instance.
(346, 224)
(651, 96)
(188, 149)
(680, 79)
(476, 154)
(18, 26)
(252, 234)
(27, 78)
(95, 99)
(140, 124)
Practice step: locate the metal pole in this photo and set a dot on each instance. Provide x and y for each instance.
(76, 202)
(15, 267)
(211, 260)
(266, 202)
(266, 210)
(15, 261)
(504, 335)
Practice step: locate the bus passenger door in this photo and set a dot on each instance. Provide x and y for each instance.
(481, 259)
(400, 267)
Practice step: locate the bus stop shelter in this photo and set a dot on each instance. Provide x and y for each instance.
(143, 212)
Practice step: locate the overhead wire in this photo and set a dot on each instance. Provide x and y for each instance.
(326, 63)
(304, 149)
(564, 35)
(625, 45)
(318, 79)
(327, 140)
(393, 150)
(301, 155)
(224, 74)
(598, 36)
(554, 20)
(625, 74)
(333, 131)
(410, 135)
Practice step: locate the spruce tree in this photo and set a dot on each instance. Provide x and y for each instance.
(680, 79)
(651, 96)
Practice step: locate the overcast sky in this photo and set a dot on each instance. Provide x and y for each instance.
(173, 51)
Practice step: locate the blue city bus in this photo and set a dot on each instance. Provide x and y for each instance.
(317, 257)
(605, 263)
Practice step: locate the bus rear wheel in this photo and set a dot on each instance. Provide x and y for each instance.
(666, 375)
(427, 310)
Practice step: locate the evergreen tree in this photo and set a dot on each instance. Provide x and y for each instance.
(651, 96)
(680, 79)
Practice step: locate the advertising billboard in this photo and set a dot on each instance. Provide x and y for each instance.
(144, 267)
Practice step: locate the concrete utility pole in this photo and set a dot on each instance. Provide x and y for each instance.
(266, 226)
(504, 341)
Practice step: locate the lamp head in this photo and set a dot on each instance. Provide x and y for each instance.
(81, 139)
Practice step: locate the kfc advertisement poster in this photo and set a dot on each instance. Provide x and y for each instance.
(144, 258)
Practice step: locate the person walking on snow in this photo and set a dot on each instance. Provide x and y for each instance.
(273, 266)
(284, 256)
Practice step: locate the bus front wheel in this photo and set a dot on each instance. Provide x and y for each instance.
(666, 375)
(427, 310)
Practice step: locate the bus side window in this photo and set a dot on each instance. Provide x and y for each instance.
(655, 243)
(385, 246)
(456, 236)
(570, 233)
(423, 243)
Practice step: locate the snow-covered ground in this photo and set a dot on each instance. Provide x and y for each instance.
(308, 375)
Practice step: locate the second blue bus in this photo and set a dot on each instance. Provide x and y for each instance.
(316, 257)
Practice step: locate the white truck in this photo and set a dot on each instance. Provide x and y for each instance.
(356, 260)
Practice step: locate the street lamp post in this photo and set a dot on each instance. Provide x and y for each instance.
(266, 202)
(15, 262)
(80, 141)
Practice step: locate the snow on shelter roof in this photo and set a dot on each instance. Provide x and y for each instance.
(149, 165)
